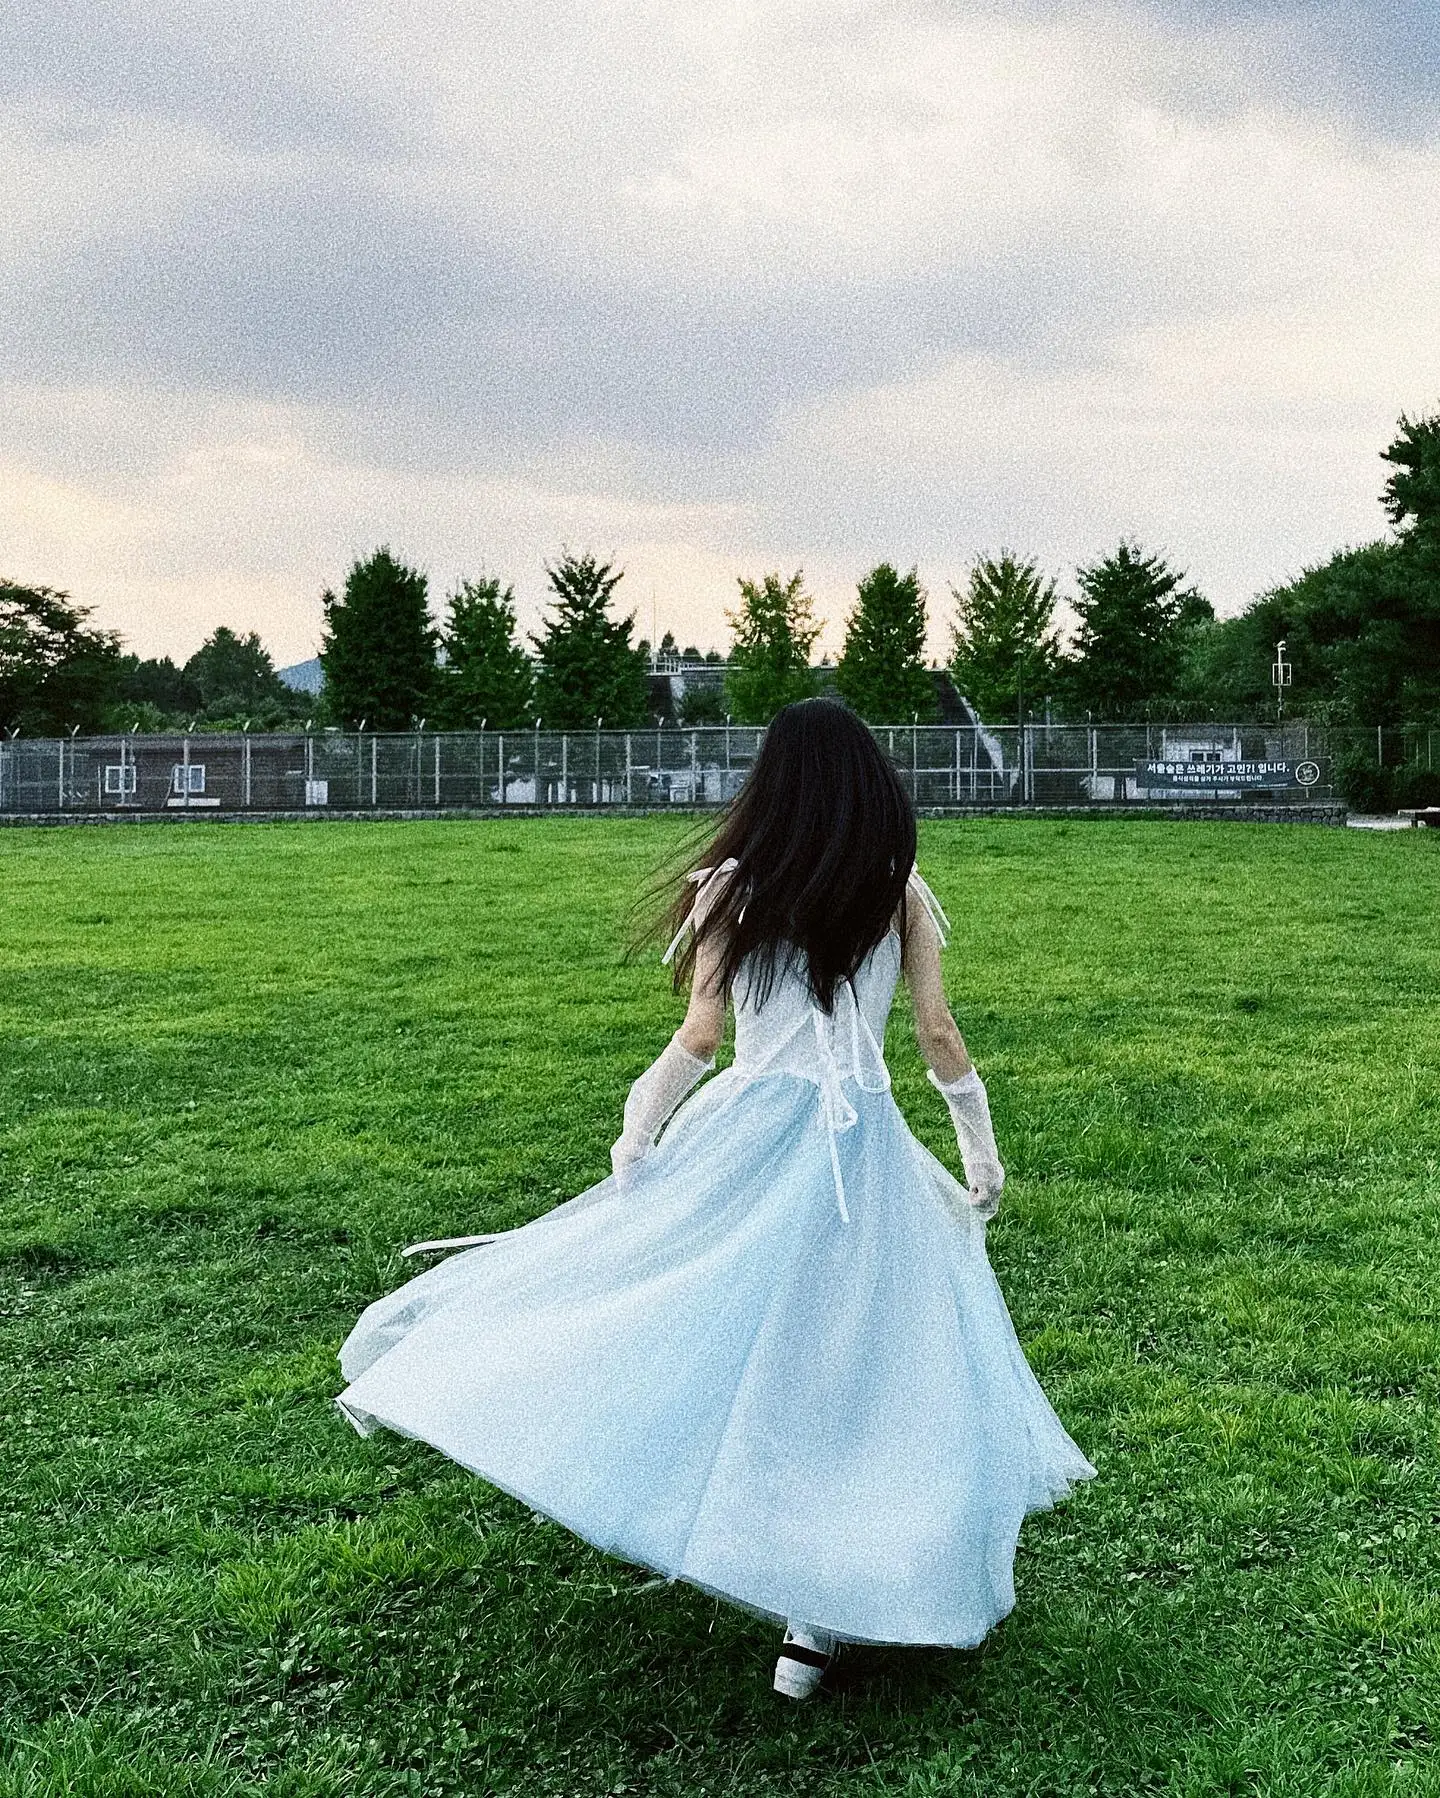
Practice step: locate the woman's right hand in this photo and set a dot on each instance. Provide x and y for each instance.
(626, 1154)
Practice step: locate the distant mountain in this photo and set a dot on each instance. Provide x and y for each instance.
(304, 677)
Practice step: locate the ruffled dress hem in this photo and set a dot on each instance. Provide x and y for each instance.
(366, 1425)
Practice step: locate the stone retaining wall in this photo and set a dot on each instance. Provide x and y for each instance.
(1330, 814)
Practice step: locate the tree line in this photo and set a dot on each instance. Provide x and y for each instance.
(1362, 632)
(1362, 629)
(59, 673)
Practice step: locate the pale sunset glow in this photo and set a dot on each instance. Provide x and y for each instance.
(706, 290)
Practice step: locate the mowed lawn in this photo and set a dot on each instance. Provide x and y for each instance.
(243, 1065)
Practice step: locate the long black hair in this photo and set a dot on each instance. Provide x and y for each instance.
(823, 837)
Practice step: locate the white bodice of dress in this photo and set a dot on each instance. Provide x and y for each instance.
(789, 1032)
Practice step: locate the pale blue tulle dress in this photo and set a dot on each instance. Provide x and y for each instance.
(777, 1366)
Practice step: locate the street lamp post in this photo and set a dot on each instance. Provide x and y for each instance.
(1280, 679)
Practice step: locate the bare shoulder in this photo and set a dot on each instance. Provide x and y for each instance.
(921, 900)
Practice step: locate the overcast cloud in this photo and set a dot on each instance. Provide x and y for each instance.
(711, 290)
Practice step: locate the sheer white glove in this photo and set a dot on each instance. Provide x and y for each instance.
(970, 1113)
(652, 1098)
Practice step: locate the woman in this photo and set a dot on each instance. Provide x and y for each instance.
(767, 1355)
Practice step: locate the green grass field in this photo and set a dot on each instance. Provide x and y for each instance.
(242, 1065)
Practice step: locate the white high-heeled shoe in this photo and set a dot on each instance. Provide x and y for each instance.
(805, 1655)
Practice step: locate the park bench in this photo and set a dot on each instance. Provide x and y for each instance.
(1425, 814)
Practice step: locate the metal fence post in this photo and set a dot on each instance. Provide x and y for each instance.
(374, 770)
(185, 777)
(564, 767)
(501, 752)
(629, 764)
(245, 767)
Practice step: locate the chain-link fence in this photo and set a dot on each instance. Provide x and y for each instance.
(371, 771)
(942, 765)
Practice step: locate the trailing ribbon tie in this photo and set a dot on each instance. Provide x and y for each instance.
(700, 880)
(835, 1109)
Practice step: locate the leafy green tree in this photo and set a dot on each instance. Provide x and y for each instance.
(236, 678)
(1368, 632)
(1225, 669)
(1412, 493)
(881, 672)
(588, 667)
(1356, 636)
(56, 671)
(378, 650)
(702, 705)
(144, 716)
(1006, 647)
(1362, 630)
(1411, 607)
(1136, 623)
(1368, 621)
(774, 631)
(155, 689)
(487, 678)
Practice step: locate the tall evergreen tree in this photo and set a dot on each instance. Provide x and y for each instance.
(378, 651)
(588, 667)
(882, 672)
(487, 677)
(1006, 646)
(774, 631)
(1136, 621)
(56, 670)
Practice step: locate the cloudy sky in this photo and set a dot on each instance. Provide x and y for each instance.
(708, 288)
